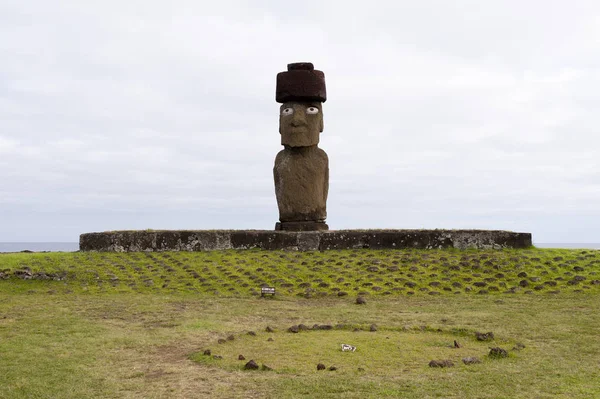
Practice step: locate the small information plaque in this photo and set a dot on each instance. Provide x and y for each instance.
(267, 291)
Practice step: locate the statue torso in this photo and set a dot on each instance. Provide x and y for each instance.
(302, 183)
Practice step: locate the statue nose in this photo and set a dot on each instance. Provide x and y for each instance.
(298, 119)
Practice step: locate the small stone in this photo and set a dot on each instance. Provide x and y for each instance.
(264, 367)
(457, 345)
(251, 365)
(230, 338)
(217, 357)
(332, 368)
(303, 327)
(488, 336)
(441, 363)
(294, 329)
(241, 357)
(252, 333)
(207, 352)
(373, 328)
(270, 340)
(498, 352)
(471, 360)
(361, 301)
(361, 369)
(221, 341)
(269, 329)
(320, 366)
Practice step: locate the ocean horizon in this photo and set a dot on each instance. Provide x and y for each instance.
(74, 246)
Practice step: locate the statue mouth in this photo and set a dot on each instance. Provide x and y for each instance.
(300, 129)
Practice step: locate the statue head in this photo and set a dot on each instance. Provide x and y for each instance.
(300, 123)
(301, 90)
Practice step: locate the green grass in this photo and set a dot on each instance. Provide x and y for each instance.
(135, 325)
(309, 274)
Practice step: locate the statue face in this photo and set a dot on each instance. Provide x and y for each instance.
(300, 123)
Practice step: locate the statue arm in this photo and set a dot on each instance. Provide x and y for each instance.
(326, 182)
(276, 175)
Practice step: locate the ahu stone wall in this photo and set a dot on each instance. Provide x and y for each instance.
(209, 240)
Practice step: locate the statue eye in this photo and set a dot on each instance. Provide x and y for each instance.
(287, 111)
(312, 110)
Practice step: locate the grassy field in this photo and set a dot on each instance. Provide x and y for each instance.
(82, 325)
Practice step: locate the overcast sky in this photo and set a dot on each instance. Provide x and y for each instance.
(439, 114)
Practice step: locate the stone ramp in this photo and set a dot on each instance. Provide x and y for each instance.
(210, 240)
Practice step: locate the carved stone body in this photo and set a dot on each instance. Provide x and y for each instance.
(302, 184)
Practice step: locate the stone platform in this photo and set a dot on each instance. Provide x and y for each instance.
(207, 240)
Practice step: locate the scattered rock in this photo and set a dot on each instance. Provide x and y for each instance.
(24, 274)
(332, 368)
(270, 340)
(373, 328)
(320, 366)
(217, 357)
(294, 329)
(471, 360)
(264, 367)
(221, 341)
(441, 363)
(323, 327)
(230, 338)
(251, 365)
(241, 357)
(488, 336)
(207, 352)
(269, 329)
(361, 369)
(498, 352)
(361, 301)
(303, 327)
(252, 333)
(457, 345)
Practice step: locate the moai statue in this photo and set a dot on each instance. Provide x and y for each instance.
(301, 169)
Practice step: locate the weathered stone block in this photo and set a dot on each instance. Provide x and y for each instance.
(204, 240)
(264, 240)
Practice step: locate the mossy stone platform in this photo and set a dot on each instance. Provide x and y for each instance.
(206, 240)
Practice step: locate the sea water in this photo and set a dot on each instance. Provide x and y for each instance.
(39, 246)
